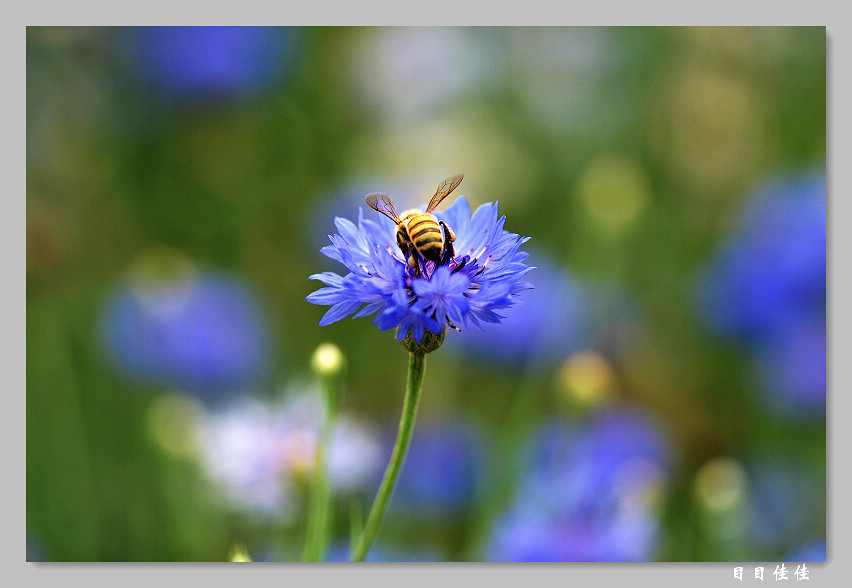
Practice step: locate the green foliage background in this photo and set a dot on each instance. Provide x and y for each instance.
(701, 116)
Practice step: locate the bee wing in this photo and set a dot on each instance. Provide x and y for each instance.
(444, 189)
(383, 203)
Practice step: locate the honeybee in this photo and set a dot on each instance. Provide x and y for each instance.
(420, 232)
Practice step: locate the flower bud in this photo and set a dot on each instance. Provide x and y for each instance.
(239, 553)
(327, 360)
(327, 363)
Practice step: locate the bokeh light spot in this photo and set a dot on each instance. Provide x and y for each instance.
(172, 419)
(327, 359)
(721, 484)
(614, 190)
(715, 121)
(588, 378)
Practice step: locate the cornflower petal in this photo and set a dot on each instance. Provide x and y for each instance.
(338, 311)
(328, 278)
(457, 216)
(326, 296)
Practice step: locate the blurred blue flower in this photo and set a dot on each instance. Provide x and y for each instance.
(813, 552)
(35, 549)
(484, 277)
(211, 62)
(443, 469)
(204, 332)
(543, 329)
(766, 288)
(381, 554)
(774, 266)
(792, 365)
(589, 494)
(787, 504)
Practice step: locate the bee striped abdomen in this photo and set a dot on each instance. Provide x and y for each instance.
(426, 235)
(418, 233)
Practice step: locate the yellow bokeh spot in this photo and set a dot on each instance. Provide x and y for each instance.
(715, 121)
(588, 378)
(613, 190)
(172, 422)
(721, 484)
(239, 553)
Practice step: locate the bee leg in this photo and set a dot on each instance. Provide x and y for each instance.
(412, 263)
(412, 260)
(402, 243)
(448, 230)
(449, 237)
(409, 253)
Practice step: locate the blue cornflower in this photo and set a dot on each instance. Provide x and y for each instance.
(766, 288)
(813, 552)
(211, 62)
(484, 276)
(773, 266)
(444, 469)
(786, 503)
(35, 549)
(203, 331)
(382, 554)
(590, 493)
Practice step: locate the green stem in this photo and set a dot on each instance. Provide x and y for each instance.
(319, 508)
(416, 368)
(316, 536)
